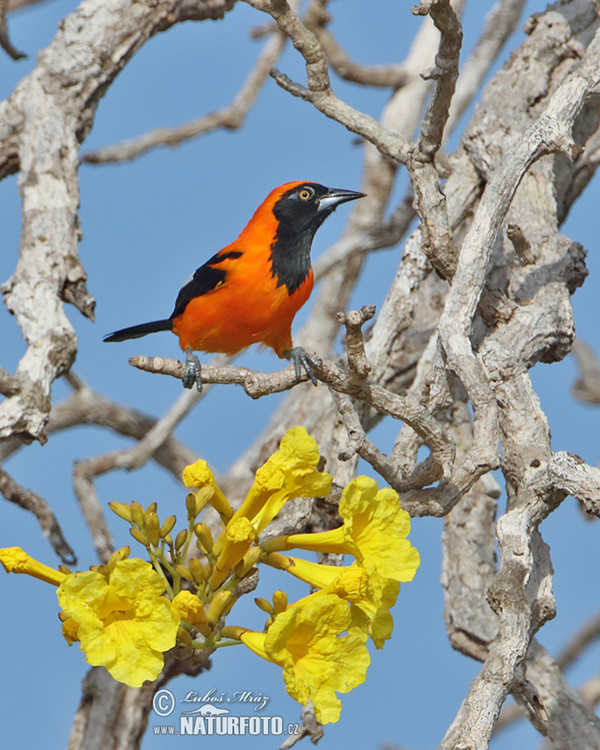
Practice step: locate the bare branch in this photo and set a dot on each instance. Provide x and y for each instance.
(85, 406)
(423, 474)
(41, 126)
(500, 23)
(319, 90)
(9, 385)
(522, 597)
(85, 491)
(111, 713)
(555, 709)
(587, 386)
(316, 20)
(5, 42)
(258, 384)
(85, 471)
(358, 363)
(445, 75)
(34, 503)
(588, 634)
(571, 474)
(231, 117)
(550, 133)
(401, 113)
(437, 241)
(310, 727)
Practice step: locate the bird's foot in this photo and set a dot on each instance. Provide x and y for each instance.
(192, 372)
(302, 360)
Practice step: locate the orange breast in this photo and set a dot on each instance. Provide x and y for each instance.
(247, 308)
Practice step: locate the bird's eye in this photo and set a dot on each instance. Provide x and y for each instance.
(306, 194)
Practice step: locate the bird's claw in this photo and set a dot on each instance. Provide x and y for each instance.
(302, 360)
(192, 372)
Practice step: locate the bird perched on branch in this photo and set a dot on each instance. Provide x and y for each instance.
(250, 291)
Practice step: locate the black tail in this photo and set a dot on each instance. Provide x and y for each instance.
(134, 332)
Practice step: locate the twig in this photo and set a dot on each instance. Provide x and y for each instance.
(231, 117)
(310, 727)
(500, 24)
(9, 385)
(587, 386)
(423, 474)
(584, 637)
(319, 91)
(34, 503)
(84, 472)
(139, 454)
(5, 42)
(564, 715)
(258, 384)
(445, 75)
(437, 241)
(60, 97)
(378, 237)
(85, 491)
(316, 19)
(572, 475)
(358, 363)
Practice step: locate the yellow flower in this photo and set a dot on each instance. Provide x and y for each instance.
(289, 472)
(125, 624)
(373, 594)
(189, 608)
(320, 643)
(16, 560)
(374, 532)
(198, 475)
(236, 539)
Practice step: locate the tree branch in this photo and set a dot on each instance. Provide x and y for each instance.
(34, 503)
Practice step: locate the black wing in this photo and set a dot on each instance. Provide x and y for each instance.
(205, 279)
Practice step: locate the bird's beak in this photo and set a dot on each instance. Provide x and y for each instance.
(334, 197)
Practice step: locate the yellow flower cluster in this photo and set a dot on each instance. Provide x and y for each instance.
(128, 613)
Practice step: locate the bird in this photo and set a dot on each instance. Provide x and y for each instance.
(249, 292)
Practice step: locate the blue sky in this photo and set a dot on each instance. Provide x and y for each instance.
(147, 226)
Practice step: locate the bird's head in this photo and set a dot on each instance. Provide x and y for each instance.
(304, 206)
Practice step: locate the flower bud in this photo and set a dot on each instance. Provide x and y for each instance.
(121, 509)
(203, 497)
(196, 569)
(181, 539)
(247, 562)
(265, 605)
(280, 601)
(204, 536)
(167, 526)
(220, 605)
(233, 631)
(139, 536)
(117, 556)
(152, 527)
(184, 572)
(190, 504)
(183, 637)
(137, 514)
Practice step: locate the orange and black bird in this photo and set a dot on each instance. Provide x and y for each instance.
(250, 291)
